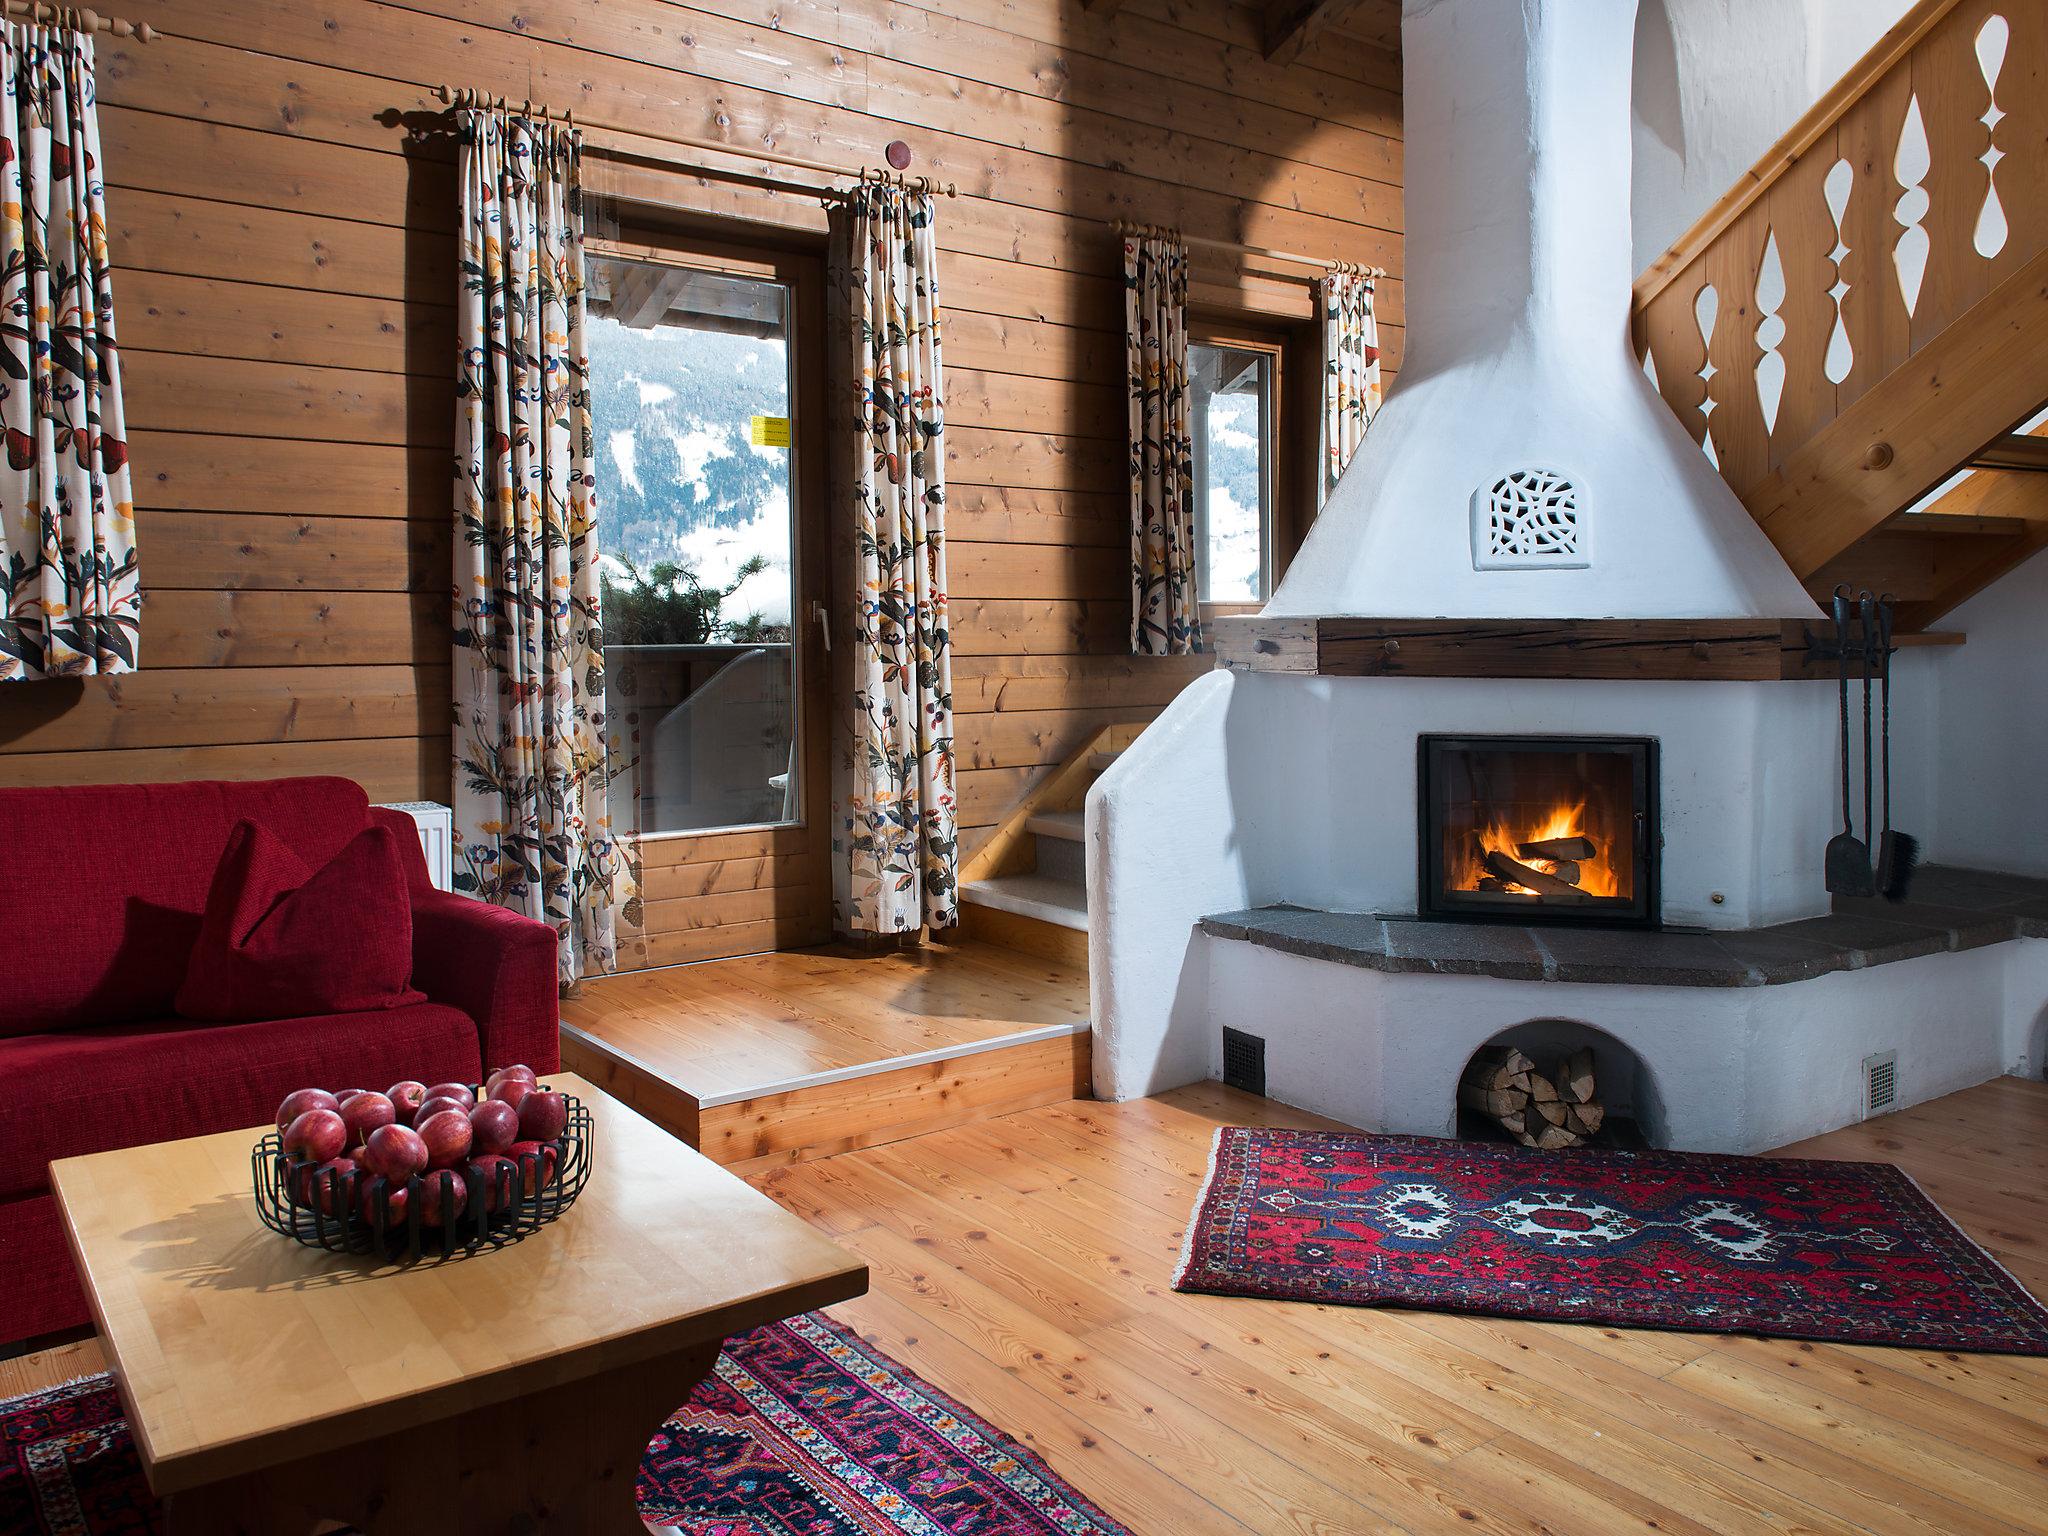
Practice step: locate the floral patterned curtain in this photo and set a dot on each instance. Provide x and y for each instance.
(70, 592)
(899, 857)
(1166, 618)
(1351, 368)
(533, 826)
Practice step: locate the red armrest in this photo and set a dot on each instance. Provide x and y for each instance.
(497, 967)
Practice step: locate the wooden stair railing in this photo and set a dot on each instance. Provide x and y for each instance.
(1867, 310)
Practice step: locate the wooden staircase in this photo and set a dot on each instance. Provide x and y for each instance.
(1864, 317)
(1026, 888)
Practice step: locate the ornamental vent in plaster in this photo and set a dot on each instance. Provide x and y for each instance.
(1529, 519)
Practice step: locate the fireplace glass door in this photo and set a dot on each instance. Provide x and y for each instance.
(1539, 829)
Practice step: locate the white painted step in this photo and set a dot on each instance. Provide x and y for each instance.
(1071, 825)
(1063, 903)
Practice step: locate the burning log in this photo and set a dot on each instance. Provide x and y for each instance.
(1551, 1110)
(1559, 848)
(1515, 873)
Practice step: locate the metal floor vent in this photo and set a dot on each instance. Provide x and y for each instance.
(1880, 1082)
(1244, 1061)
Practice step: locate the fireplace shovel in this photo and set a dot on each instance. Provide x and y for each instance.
(1898, 853)
(1848, 858)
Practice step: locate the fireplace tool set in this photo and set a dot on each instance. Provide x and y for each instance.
(1850, 867)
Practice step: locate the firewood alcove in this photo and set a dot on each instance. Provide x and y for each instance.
(1557, 1084)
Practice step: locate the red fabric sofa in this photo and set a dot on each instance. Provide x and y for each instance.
(104, 888)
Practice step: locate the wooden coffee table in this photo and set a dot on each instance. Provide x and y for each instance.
(273, 1387)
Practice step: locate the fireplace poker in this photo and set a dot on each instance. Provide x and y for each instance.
(1848, 857)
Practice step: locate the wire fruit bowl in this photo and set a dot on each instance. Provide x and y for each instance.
(323, 1206)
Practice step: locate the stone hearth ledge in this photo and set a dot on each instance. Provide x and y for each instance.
(1952, 909)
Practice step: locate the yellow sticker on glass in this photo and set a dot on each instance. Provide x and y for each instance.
(768, 431)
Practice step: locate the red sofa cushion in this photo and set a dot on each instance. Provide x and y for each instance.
(279, 941)
(94, 1090)
(116, 877)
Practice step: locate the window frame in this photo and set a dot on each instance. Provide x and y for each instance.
(1276, 531)
(802, 275)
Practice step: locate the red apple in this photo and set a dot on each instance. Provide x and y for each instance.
(297, 1103)
(394, 1152)
(364, 1112)
(370, 1199)
(309, 1182)
(343, 1095)
(460, 1092)
(408, 1096)
(490, 1167)
(521, 1073)
(447, 1138)
(437, 1103)
(511, 1090)
(494, 1124)
(432, 1183)
(352, 1176)
(318, 1136)
(543, 1116)
(537, 1163)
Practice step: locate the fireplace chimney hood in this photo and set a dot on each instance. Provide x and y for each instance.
(1523, 466)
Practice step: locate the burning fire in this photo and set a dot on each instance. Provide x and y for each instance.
(1467, 866)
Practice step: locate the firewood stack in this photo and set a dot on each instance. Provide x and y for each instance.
(1538, 1111)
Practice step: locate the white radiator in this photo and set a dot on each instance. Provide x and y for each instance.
(436, 825)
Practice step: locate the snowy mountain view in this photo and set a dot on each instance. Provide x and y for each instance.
(1235, 488)
(678, 479)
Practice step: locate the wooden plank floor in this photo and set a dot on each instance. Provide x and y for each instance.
(1023, 1263)
(733, 1026)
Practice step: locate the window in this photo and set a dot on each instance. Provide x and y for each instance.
(690, 396)
(1235, 407)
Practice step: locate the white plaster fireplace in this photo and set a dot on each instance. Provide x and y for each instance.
(1522, 475)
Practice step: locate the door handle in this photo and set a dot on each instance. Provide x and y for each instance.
(824, 619)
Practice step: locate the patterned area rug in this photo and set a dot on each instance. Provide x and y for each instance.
(1846, 1252)
(803, 1430)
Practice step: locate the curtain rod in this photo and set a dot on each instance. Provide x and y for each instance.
(464, 96)
(1125, 227)
(80, 20)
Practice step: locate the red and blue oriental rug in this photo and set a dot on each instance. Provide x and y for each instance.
(1846, 1252)
(802, 1430)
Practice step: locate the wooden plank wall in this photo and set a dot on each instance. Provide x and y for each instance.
(280, 189)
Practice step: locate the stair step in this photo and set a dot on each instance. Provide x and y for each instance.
(2014, 451)
(1071, 825)
(1062, 903)
(1102, 762)
(1059, 858)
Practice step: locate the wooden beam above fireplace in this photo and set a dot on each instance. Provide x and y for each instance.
(1703, 650)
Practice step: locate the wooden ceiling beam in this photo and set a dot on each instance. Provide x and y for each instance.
(1291, 25)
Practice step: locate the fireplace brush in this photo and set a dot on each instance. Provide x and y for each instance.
(1898, 853)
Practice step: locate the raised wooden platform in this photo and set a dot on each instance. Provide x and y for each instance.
(771, 1058)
